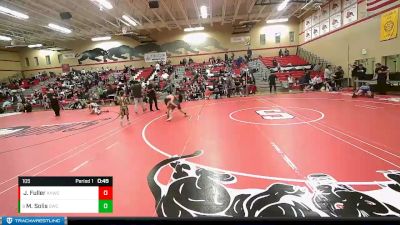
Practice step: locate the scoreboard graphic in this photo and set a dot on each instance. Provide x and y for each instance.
(65, 195)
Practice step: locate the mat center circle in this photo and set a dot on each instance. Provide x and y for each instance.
(276, 115)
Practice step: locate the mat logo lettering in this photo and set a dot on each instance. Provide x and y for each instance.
(274, 114)
(194, 191)
(22, 131)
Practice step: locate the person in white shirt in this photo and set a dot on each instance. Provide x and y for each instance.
(165, 76)
(290, 82)
(328, 72)
(317, 83)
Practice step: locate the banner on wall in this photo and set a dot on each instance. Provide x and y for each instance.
(69, 55)
(347, 3)
(350, 14)
(324, 27)
(389, 24)
(315, 32)
(65, 68)
(315, 18)
(155, 57)
(307, 23)
(307, 35)
(240, 39)
(335, 21)
(324, 12)
(335, 7)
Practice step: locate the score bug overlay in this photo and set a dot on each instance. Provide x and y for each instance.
(65, 194)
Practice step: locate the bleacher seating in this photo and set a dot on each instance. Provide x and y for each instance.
(284, 61)
(145, 74)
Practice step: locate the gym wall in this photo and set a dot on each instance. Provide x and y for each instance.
(343, 46)
(213, 41)
(10, 64)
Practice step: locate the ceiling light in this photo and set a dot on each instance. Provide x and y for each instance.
(13, 13)
(190, 29)
(59, 28)
(4, 38)
(203, 12)
(283, 5)
(278, 20)
(129, 20)
(103, 4)
(126, 24)
(35, 46)
(106, 38)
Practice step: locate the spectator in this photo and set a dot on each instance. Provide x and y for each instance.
(165, 76)
(290, 82)
(274, 62)
(338, 77)
(158, 68)
(382, 74)
(272, 82)
(280, 53)
(286, 52)
(354, 75)
(136, 91)
(152, 95)
(361, 71)
(316, 83)
(249, 53)
(328, 73)
(54, 103)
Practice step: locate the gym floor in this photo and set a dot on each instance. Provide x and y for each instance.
(285, 155)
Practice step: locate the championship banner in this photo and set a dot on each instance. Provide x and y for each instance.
(315, 18)
(307, 23)
(335, 22)
(347, 3)
(335, 6)
(389, 24)
(325, 12)
(155, 57)
(350, 14)
(324, 27)
(307, 35)
(315, 32)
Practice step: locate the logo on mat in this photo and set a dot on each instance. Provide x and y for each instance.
(274, 114)
(22, 131)
(11, 130)
(9, 220)
(194, 191)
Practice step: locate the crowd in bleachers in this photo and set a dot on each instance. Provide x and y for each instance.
(216, 78)
(293, 72)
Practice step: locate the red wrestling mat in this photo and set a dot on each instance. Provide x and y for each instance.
(296, 155)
